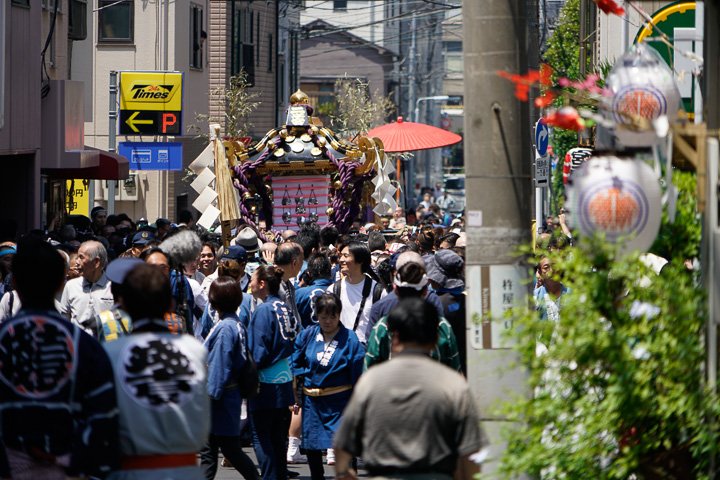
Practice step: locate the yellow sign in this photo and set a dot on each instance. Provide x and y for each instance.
(157, 91)
(78, 197)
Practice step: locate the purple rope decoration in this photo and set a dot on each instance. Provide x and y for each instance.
(242, 183)
(342, 217)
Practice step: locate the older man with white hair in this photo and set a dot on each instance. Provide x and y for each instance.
(89, 294)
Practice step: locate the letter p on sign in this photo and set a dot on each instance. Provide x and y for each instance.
(168, 120)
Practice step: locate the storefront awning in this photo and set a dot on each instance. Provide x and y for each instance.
(92, 164)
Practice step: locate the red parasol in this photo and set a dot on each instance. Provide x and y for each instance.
(409, 136)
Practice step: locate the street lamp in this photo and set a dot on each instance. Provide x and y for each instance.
(416, 118)
(437, 98)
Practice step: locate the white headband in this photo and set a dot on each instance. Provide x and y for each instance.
(417, 286)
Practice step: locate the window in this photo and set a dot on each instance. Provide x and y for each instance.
(197, 37)
(339, 4)
(77, 21)
(116, 21)
(453, 58)
(50, 5)
(21, 3)
(243, 48)
(326, 93)
(270, 52)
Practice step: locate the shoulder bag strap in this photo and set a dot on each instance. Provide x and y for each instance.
(365, 294)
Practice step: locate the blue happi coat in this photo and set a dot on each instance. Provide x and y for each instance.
(305, 298)
(210, 317)
(227, 346)
(271, 333)
(338, 364)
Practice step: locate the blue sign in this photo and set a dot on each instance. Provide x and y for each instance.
(542, 137)
(152, 156)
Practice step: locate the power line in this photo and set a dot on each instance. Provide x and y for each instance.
(401, 16)
(424, 35)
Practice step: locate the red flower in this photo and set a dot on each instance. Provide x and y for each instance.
(566, 118)
(545, 74)
(609, 6)
(522, 82)
(544, 100)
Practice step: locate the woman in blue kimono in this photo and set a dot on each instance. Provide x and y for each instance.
(210, 317)
(227, 347)
(271, 334)
(330, 357)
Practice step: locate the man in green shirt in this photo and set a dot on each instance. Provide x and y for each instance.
(412, 282)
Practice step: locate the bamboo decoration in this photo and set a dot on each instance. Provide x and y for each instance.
(227, 195)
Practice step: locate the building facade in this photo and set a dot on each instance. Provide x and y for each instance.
(144, 36)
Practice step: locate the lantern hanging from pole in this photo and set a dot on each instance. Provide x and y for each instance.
(620, 197)
(643, 88)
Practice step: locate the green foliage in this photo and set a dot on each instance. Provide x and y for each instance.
(563, 52)
(681, 240)
(563, 55)
(616, 393)
(237, 103)
(355, 112)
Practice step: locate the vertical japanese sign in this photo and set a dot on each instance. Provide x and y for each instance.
(492, 291)
(77, 200)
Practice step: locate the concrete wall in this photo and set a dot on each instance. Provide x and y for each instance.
(58, 65)
(22, 79)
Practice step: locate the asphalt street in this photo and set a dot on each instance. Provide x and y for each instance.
(232, 474)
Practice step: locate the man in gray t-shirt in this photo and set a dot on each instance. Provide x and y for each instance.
(410, 415)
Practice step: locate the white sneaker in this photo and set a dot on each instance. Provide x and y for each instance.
(297, 457)
(293, 452)
(330, 456)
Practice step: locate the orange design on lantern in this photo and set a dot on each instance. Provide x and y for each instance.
(639, 103)
(613, 211)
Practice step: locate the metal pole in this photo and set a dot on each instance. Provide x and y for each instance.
(583, 38)
(626, 30)
(411, 97)
(499, 190)
(711, 233)
(112, 127)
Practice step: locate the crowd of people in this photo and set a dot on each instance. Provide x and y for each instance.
(132, 349)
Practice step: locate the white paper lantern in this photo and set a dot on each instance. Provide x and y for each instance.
(642, 85)
(620, 197)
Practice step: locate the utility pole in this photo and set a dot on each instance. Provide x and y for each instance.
(112, 128)
(499, 193)
(412, 69)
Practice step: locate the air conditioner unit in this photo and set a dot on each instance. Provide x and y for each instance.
(125, 190)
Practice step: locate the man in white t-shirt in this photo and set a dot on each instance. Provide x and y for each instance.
(357, 291)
